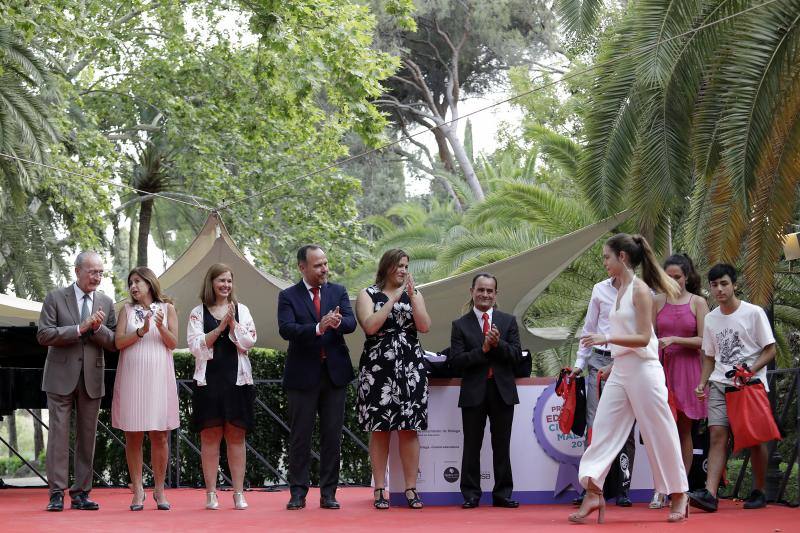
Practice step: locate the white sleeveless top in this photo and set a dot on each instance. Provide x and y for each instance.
(623, 322)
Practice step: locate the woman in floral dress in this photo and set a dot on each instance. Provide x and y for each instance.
(393, 387)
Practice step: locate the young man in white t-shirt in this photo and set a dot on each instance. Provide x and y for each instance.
(735, 333)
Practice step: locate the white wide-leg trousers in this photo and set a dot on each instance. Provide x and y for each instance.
(636, 391)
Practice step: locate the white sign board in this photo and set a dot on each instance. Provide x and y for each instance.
(544, 461)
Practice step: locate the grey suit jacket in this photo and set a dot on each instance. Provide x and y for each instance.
(68, 352)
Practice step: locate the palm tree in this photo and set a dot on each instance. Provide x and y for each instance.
(25, 128)
(31, 250)
(693, 120)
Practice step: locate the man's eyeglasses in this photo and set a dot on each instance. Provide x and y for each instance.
(93, 273)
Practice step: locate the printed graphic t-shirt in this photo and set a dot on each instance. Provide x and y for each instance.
(735, 339)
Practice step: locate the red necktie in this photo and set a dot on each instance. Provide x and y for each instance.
(485, 331)
(318, 307)
(315, 290)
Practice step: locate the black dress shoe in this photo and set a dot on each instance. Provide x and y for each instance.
(329, 503)
(82, 502)
(702, 499)
(756, 500)
(472, 503)
(295, 503)
(508, 503)
(56, 502)
(624, 501)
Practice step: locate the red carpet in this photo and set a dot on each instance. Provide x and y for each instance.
(23, 510)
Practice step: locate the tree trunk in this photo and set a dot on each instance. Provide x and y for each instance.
(12, 433)
(38, 434)
(145, 217)
(444, 152)
(463, 161)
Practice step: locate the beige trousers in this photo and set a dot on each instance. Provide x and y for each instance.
(636, 391)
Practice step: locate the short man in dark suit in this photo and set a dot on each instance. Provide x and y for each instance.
(77, 326)
(484, 345)
(314, 316)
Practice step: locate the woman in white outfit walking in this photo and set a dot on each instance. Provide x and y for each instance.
(636, 388)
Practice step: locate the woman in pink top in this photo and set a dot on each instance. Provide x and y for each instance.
(678, 323)
(145, 393)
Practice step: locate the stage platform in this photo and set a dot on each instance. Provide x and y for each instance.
(22, 509)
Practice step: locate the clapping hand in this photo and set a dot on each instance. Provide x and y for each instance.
(332, 319)
(492, 339)
(92, 322)
(231, 315)
(146, 326)
(159, 318)
(410, 284)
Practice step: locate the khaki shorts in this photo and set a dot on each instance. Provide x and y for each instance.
(717, 408)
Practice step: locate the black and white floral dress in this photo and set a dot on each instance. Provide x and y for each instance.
(392, 383)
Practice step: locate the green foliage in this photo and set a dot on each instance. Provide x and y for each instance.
(268, 437)
(233, 120)
(694, 101)
(9, 465)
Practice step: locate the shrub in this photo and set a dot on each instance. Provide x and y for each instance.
(268, 438)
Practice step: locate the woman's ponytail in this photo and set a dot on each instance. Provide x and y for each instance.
(652, 273)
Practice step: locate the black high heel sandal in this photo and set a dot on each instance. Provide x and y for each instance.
(413, 502)
(380, 500)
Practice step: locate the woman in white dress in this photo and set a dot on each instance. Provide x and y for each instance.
(636, 388)
(145, 393)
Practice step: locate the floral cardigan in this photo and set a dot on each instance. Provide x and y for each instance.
(243, 336)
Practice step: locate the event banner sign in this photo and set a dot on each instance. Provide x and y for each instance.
(544, 461)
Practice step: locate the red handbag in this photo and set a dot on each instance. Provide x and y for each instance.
(749, 411)
(565, 388)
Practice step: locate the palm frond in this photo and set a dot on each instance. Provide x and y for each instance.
(777, 178)
(579, 16)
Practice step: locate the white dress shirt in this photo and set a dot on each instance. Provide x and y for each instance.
(604, 297)
(479, 314)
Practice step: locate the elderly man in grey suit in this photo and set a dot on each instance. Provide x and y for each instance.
(77, 325)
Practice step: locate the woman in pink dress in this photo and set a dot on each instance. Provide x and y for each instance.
(145, 392)
(678, 323)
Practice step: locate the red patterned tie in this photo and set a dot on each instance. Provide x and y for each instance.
(485, 331)
(315, 290)
(318, 307)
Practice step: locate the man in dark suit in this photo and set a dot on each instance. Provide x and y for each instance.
(484, 345)
(77, 326)
(314, 316)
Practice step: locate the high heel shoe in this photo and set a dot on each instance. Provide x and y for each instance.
(414, 502)
(676, 516)
(659, 501)
(161, 506)
(138, 506)
(600, 507)
(239, 501)
(380, 499)
(211, 501)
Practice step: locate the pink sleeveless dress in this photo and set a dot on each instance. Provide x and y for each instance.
(682, 364)
(145, 391)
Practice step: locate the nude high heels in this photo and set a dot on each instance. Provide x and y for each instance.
(680, 516)
(239, 501)
(585, 510)
(211, 501)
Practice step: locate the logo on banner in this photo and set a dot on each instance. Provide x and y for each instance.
(564, 449)
(451, 474)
